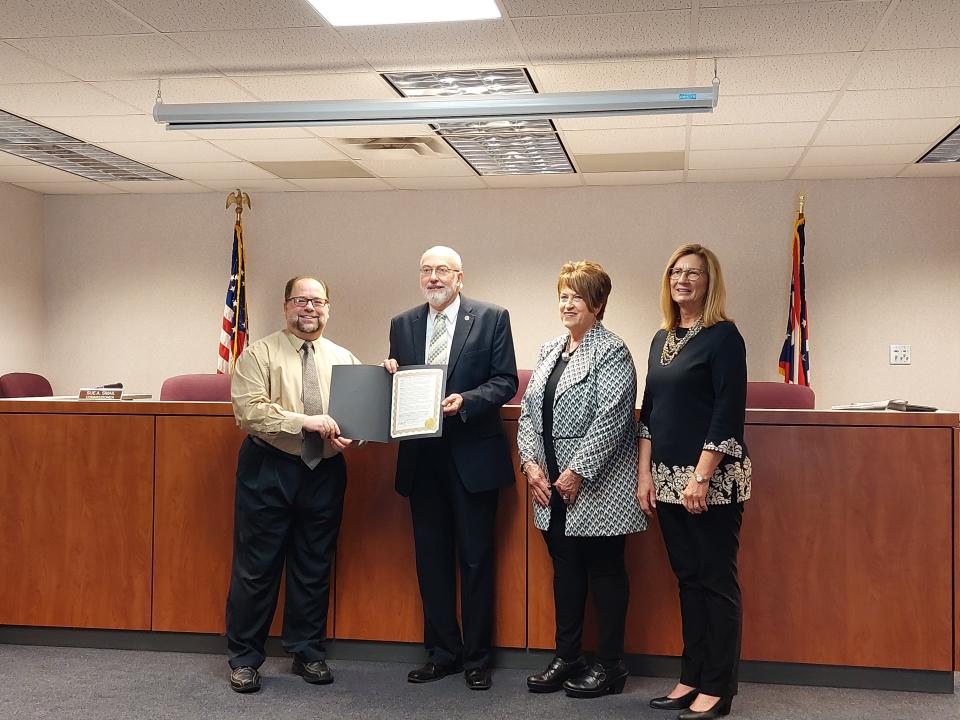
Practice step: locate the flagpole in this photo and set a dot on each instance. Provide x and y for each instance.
(238, 198)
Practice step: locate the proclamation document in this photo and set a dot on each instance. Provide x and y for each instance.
(369, 403)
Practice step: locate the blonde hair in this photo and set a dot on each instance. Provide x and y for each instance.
(714, 309)
(588, 280)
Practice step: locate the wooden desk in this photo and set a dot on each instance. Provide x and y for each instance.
(119, 515)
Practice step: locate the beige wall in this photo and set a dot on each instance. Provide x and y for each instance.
(21, 281)
(146, 275)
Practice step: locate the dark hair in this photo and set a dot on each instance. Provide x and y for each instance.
(294, 280)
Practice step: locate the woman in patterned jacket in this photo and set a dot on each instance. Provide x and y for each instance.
(694, 471)
(578, 452)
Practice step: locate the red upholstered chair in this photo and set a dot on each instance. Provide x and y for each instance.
(18, 385)
(209, 387)
(524, 376)
(778, 395)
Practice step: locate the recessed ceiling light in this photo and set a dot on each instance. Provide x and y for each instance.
(395, 12)
(947, 150)
(35, 142)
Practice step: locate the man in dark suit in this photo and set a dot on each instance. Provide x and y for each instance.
(452, 481)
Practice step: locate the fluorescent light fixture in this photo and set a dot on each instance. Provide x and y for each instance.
(947, 150)
(395, 12)
(206, 116)
(31, 141)
(447, 83)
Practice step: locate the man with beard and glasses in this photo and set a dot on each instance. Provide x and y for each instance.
(452, 481)
(290, 483)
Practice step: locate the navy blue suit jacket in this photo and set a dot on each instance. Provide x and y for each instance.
(483, 369)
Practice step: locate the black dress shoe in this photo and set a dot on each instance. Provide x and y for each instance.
(430, 672)
(245, 679)
(477, 678)
(678, 703)
(552, 679)
(596, 681)
(720, 709)
(314, 672)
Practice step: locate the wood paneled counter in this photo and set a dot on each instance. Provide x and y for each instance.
(118, 515)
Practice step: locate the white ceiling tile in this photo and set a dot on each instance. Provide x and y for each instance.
(231, 171)
(777, 74)
(533, 181)
(649, 177)
(908, 69)
(585, 77)
(840, 172)
(113, 128)
(8, 159)
(738, 175)
(725, 159)
(66, 99)
(283, 51)
(142, 94)
(447, 46)
(863, 155)
(579, 38)
(249, 134)
(626, 122)
(790, 29)
(175, 15)
(342, 184)
(749, 109)
(442, 183)
(885, 132)
(536, 8)
(355, 131)
(87, 187)
(418, 168)
(931, 170)
(922, 24)
(890, 104)
(759, 135)
(168, 152)
(332, 86)
(115, 57)
(35, 172)
(280, 150)
(18, 67)
(157, 186)
(66, 17)
(581, 142)
(251, 186)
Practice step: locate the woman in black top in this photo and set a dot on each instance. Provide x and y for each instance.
(577, 442)
(693, 462)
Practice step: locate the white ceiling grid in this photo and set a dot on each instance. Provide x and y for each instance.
(809, 88)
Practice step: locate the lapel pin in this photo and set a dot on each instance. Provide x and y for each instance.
(466, 317)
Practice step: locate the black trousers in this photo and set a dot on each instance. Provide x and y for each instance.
(284, 513)
(579, 563)
(703, 554)
(449, 521)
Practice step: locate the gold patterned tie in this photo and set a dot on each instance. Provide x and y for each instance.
(437, 353)
(312, 451)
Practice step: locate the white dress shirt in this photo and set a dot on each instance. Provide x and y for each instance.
(451, 314)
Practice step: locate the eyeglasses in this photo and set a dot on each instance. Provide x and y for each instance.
(304, 301)
(692, 273)
(442, 272)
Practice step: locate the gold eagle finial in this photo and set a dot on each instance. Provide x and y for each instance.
(238, 198)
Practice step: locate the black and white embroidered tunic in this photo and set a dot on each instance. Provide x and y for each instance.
(698, 402)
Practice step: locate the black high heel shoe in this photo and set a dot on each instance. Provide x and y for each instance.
(720, 709)
(597, 681)
(678, 703)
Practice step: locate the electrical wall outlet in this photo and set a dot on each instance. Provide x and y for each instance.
(899, 354)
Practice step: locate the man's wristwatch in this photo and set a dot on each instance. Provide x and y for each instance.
(699, 478)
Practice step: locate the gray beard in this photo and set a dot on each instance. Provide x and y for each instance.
(301, 325)
(439, 296)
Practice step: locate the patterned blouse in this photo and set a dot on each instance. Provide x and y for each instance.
(696, 403)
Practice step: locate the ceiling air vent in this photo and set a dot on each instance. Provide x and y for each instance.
(395, 147)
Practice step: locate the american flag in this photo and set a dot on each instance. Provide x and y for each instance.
(233, 332)
(795, 355)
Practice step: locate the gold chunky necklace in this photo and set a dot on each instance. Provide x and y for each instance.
(672, 346)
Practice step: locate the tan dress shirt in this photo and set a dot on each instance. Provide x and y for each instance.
(267, 388)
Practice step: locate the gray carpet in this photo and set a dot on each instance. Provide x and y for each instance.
(51, 682)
